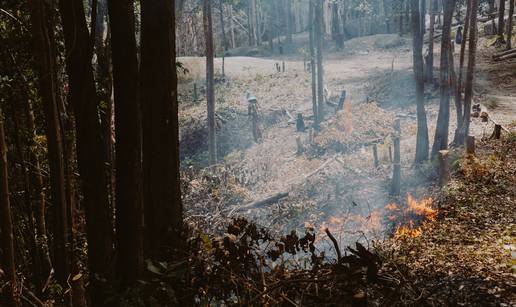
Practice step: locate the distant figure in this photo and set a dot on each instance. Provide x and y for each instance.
(458, 36)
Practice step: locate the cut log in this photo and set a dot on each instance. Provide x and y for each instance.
(332, 104)
(444, 168)
(396, 170)
(375, 156)
(300, 148)
(470, 145)
(266, 201)
(511, 51)
(506, 57)
(300, 123)
(497, 133)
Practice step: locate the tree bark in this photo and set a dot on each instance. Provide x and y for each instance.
(90, 154)
(222, 26)
(45, 60)
(501, 21)
(129, 186)
(510, 24)
(459, 84)
(313, 70)
(422, 142)
(443, 118)
(10, 290)
(430, 61)
(288, 17)
(210, 91)
(162, 194)
(318, 36)
(468, 91)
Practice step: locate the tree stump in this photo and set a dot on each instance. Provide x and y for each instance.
(470, 145)
(342, 99)
(497, 133)
(195, 97)
(283, 66)
(300, 148)
(300, 123)
(444, 168)
(375, 156)
(396, 170)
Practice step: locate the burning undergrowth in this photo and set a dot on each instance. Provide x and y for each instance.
(248, 266)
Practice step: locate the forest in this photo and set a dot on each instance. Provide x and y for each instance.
(257, 153)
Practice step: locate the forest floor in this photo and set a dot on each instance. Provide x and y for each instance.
(334, 183)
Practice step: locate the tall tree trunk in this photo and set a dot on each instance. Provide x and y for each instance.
(129, 185)
(210, 91)
(222, 25)
(422, 142)
(459, 83)
(6, 229)
(231, 27)
(443, 118)
(90, 154)
(38, 192)
(510, 24)
(468, 91)
(501, 21)
(313, 70)
(288, 18)
(423, 17)
(430, 61)
(45, 59)
(163, 210)
(318, 36)
(105, 93)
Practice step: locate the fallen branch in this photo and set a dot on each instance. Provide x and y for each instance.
(335, 243)
(266, 201)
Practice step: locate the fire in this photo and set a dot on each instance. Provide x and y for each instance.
(415, 213)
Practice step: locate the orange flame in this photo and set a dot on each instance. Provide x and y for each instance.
(422, 209)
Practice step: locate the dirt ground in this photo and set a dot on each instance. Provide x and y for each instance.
(339, 189)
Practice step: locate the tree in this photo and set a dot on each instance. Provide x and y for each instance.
(510, 24)
(422, 142)
(430, 59)
(45, 61)
(129, 186)
(162, 197)
(501, 21)
(459, 83)
(210, 92)
(90, 154)
(443, 118)
(311, 22)
(463, 129)
(6, 229)
(288, 17)
(318, 36)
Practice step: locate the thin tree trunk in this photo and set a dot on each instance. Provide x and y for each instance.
(38, 206)
(129, 185)
(443, 118)
(288, 17)
(423, 17)
(501, 21)
(222, 25)
(90, 154)
(11, 297)
(231, 27)
(210, 92)
(422, 142)
(162, 196)
(45, 59)
(459, 83)
(313, 69)
(510, 24)
(318, 36)
(468, 91)
(430, 62)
